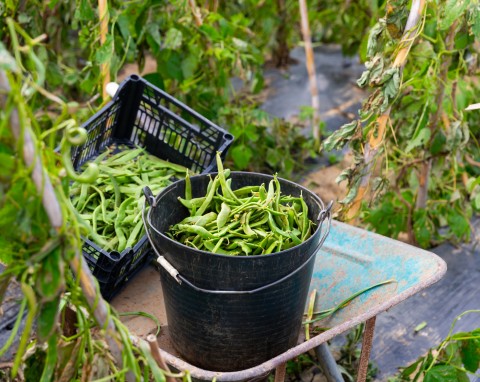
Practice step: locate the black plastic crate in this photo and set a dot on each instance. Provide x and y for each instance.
(141, 114)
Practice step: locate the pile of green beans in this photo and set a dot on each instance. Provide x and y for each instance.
(112, 205)
(252, 220)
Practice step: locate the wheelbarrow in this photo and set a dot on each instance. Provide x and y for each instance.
(350, 260)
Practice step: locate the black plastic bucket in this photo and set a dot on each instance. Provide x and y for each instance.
(228, 313)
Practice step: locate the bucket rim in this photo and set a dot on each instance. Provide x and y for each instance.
(319, 222)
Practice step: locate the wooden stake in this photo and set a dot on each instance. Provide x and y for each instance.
(152, 341)
(104, 68)
(312, 77)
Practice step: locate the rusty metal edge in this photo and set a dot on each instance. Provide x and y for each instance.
(272, 363)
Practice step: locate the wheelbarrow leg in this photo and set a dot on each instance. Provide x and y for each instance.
(366, 348)
(328, 364)
(280, 372)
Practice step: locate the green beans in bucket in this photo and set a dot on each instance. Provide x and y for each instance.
(252, 220)
(112, 205)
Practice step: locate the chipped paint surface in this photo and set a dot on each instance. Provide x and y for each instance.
(350, 260)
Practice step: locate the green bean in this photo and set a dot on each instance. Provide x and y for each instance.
(244, 246)
(192, 203)
(196, 230)
(208, 199)
(271, 247)
(245, 191)
(133, 236)
(188, 186)
(251, 220)
(207, 218)
(304, 221)
(223, 215)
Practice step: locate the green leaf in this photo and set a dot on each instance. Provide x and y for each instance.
(8, 164)
(189, 65)
(257, 83)
(421, 228)
(410, 369)
(441, 373)
(105, 52)
(242, 156)
(250, 132)
(153, 38)
(155, 79)
(48, 318)
(210, 32)
(458, 224)
(84, 11)
(50, 278)
(462, 40)
(422, 137)
(174, 66)
(274, 157)
(173, 39)
(453, 10)
(476, 202)
(438, 143)
(7, 62)
(470, 352)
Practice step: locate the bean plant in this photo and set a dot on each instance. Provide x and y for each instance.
(456, 358)
(415, 147)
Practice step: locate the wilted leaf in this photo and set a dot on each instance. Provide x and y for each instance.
(474, 21)
(173, 39)
(344, 175)
(375, 33)
(453, 10)
(340, 137)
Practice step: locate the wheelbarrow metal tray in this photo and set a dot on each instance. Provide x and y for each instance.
(350, 260)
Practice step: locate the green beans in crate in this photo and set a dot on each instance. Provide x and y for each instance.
(141, 115)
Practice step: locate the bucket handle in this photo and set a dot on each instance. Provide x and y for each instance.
(324, 215)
